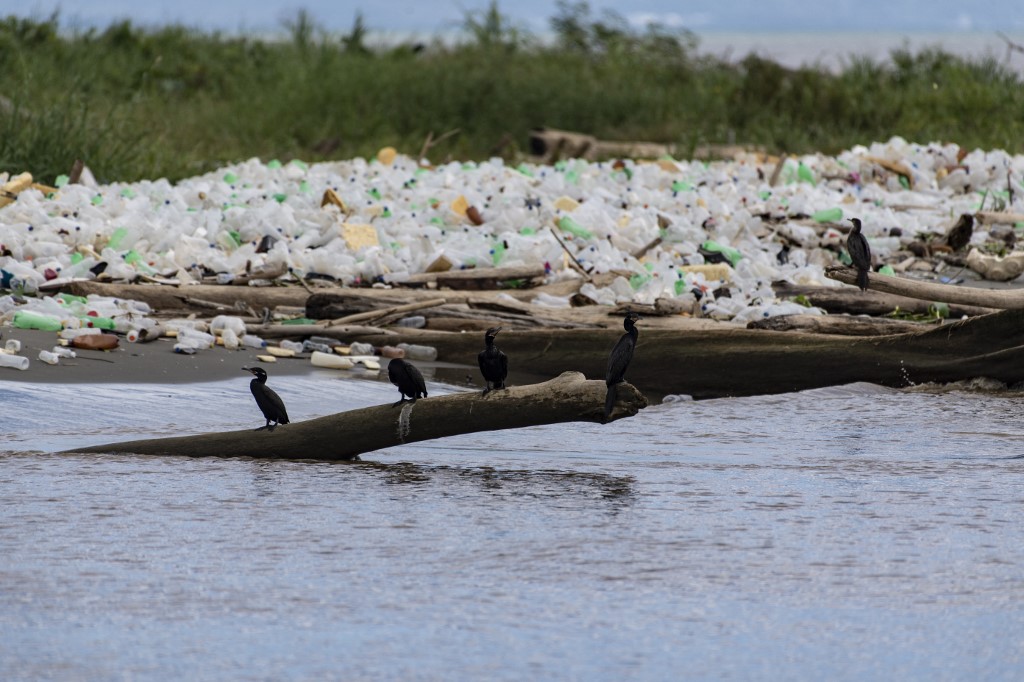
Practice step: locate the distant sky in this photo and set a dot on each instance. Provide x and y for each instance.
(434, 16)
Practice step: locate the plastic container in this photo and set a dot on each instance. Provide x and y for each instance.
(230, 339)
(294, 346)
(132, 335)
(224, 322)
(48, 357)
(12, 346)
(417, 352)
(330, 360)
(391, 352)
(25, 319)
(13, 361)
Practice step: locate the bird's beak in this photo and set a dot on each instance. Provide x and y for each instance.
(498, 330)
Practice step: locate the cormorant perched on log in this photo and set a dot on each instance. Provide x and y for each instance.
(860, 253)
(270, 403)
(404, 374)
(493, 363)
(618, 361)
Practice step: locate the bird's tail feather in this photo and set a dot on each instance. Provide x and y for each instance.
(862, 279)
(609, 401)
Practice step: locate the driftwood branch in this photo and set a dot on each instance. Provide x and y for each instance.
(569, 397)
(846, 325)
(987, 298)
(837, 300)
(385, 312)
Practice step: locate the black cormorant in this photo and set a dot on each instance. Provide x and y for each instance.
(618, 361)
(860, 253)
(493, 363)
(269, 402)
(408, 379)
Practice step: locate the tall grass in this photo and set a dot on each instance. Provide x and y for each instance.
(173, 102)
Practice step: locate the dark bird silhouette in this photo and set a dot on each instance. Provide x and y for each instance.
(493, 363)
(618, 361)
(270, 403)
(960, 234)
(860, 253)
(408, 379)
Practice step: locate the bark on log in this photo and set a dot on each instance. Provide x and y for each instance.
(733, 361)
(857, 302)
(473, 278)
(168, 297)
(845, 325)
(345, 436)
(1003, 299)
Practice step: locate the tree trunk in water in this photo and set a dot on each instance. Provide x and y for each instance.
(733, 361)
(569, 397)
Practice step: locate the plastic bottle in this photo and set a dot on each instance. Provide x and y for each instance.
(12, 346)
(325, 340)
(62, 352)
(24, 319)
(253, 341)
(230, 338)
(330, 360)
(417, 352)
(414, 322)
(310, 346)
(132, 335)
(48, 357)
(360, 349)
(391, 352)
(294, 346)
(13, 361)
(72, 333)
(222, 322)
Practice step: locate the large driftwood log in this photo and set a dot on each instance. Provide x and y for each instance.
(856, 302)
(846, 325)
(1003, 299)
(733, 361)
(569, 397)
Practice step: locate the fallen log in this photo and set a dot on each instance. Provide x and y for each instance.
(847, 325)
(1002, 299)
(856, 302)
(478, 278)
(733, 361)
(345, 436)
(385, 312)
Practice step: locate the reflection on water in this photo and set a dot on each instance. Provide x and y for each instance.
(843, 533)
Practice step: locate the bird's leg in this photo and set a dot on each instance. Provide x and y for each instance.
(399, 402)
(487, 387)
(271, 427)
(262, 428)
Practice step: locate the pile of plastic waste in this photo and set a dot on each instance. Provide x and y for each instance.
(383, 219)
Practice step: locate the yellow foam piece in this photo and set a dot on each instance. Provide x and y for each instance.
(387, 155)
(357, 236)
(565, 203)
(711, 272)
(460, 205)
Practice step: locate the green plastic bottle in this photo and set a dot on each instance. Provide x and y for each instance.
(24, 319)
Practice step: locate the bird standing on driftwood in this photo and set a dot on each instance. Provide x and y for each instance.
(493, 363)
(404, 374)
(269, 402)
(618, 361)
(860, 253)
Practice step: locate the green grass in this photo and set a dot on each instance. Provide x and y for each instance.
(171, 102)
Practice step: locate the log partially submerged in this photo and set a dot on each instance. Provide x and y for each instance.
(856, 302)
(846, 325)
(734, 361)
(345, 436)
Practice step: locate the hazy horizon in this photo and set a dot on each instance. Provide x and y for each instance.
(439, 16)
